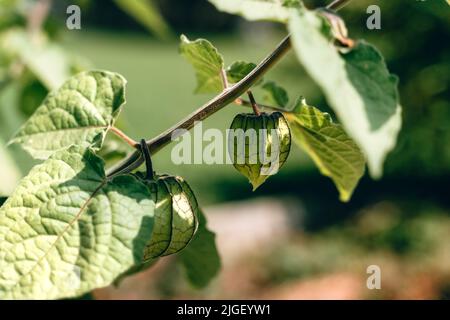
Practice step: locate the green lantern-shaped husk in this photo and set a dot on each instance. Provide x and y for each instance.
(258, 145)
(176, 216)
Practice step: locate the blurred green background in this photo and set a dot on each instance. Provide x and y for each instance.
(321, 247)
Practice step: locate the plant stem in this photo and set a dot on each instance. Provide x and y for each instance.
(132, 143)
(135, 160)
(337, 4)
(253, 103)
(224, 78)
(148, 160)
(37, 16)
(245, 103)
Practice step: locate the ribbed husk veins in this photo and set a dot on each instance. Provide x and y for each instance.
(259, 145)
(176, 216)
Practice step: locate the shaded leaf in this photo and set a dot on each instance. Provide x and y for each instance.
(31, 95)
(9, 172)
(137, 268)
(207, 63)
(201, 258)
(66, 229)
(332, 150)
(82, 110)
(146, 13)
(357, 85)
(275, 95)
(239, 70)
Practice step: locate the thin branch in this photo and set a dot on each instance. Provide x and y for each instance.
(253, 103)
(149, 175)
(245, 103)
(224, 78)
(132, 143)
(37, 16)
(135, 160)
(337, 4)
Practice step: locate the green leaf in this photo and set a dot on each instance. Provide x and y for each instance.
(275, 95)
(49, 62)
(9, 172)
(32, 93)
(207, 62)
(10, 117)
(146, 13)
(272, 10)
(239, 70)
(201, 258)
(137, 268)
(332, 150)
(357, 85)
(67, 230)
(82, 110)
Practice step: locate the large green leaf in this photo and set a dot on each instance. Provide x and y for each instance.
(201, 258)
(49, 62)
(82, 110)
(9, 172)
(332, 150)
(272, 10)
(147, 14)
(66, 229)
(357, 84)
(207, 62)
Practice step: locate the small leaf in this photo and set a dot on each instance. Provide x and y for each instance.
(67, 230)
(357, 85)
(239, 70)
(207, 62)
(146, 13)
(9, 172)
(272, 10)
(275, 95)
(332, 150)
(201, 258)
(81, 111)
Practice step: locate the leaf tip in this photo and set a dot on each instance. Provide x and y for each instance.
(345, 196)
(256, 183)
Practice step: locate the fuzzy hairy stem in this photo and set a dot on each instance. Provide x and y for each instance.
(37, 16)
(132, 143)
(136, 159)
